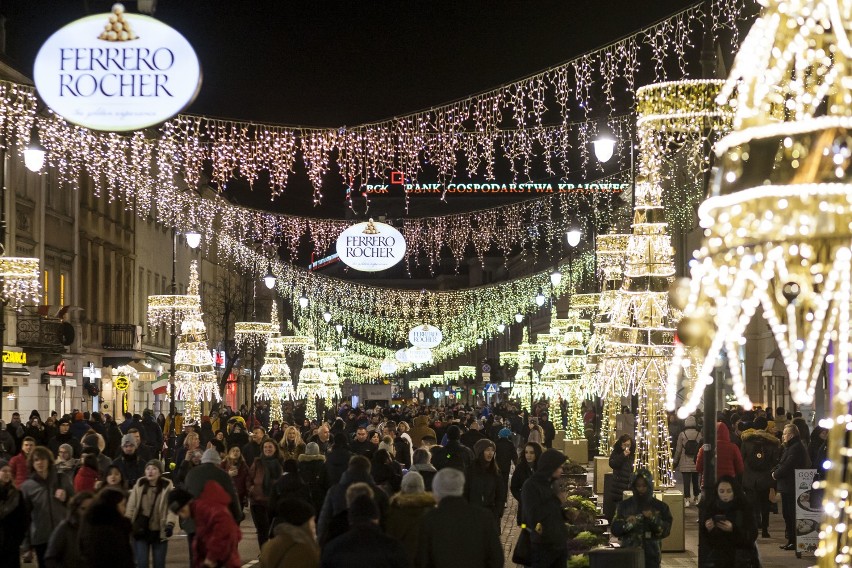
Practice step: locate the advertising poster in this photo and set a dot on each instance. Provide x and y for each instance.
(807, 517)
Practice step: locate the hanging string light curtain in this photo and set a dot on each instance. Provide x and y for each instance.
(472, 127)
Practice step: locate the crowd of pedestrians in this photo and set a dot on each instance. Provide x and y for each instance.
(391, 487)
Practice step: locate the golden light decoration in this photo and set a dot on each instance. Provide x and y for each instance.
(294, 343)
(195, 374)
(252, 334)
(275, 384)
(678, 116)
(170, 309)
(777, 232)
(311, 386)
(328, 363)
(467, 372)
(20, 278)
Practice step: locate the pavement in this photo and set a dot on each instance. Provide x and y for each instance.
(771, 555)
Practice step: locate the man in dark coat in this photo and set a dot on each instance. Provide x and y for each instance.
(361, 444)
(542, 512)
(642, 521)
(337, 459)
(364, 544)
(131, 465)
(549, 430)
(209, 470)
(335, 500)
(454, 454)
(63, 436)
(794, 456)
(127, 424)
(253, 448)
(442, 544)
(152, 434)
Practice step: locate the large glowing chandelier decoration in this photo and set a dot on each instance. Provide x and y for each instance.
(195, 375)
(640, 335)
(20, 280)
(275, 383)
(777, 232)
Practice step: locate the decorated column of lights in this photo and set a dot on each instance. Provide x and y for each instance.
(310, 387)
(610, 250)
(328, 362)
(253, 336)
(526, 384)
(777, 233)
(551, 384)
(575, 334)
(276, 384)
(195, 374)
(640, 341)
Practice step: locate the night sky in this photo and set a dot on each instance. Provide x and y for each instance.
(334, 63)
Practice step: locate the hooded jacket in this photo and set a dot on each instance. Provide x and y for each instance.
(723, 545)
(217, 535)
(160, 510)
(729, 460)
(622, 469)
(755, 441)
(419, 430)
(683, 462)
(335, 502)
(634, 529)
(290, 546)
(405, 512)
(542, 509)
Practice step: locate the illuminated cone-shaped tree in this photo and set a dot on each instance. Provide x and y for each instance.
(610, 251)
(310, 386)
(574, 390)
(195, 375)
(275, 383)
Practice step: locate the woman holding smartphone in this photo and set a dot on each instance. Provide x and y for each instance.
(727, 521)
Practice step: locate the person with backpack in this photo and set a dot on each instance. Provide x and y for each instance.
(454, 453)
(686, 450)
(761, 451)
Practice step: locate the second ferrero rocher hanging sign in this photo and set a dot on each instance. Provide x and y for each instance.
(117, 72)
(370, 246)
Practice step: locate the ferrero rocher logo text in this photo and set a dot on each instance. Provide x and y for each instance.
(370, 246)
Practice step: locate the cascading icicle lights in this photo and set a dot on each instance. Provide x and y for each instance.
(195, 374)
(777, 232)
(20, 278)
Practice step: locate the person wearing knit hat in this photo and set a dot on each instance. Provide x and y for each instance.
(440, 537)
(362, 542)
(406, 511)
(485, 487)
(542, 512)
(211, 455)
(686, 450)
(131, 465)
(293, 542)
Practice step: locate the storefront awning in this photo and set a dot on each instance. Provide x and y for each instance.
(773, 366)
(143, 373)
(161, 357)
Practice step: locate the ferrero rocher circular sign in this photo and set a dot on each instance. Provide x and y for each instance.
(370, 246)
(117, 72)
(425, 336)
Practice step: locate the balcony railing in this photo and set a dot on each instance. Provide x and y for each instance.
(37, 331)
(118, 336)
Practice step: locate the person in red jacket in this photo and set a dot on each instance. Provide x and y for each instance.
(729, 460)
(87, 476)
(20, 469)
(217, 535)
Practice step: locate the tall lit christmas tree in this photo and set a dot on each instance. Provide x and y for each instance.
(275, 383)
(195, 375)
(610, 250)
(672, 118)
